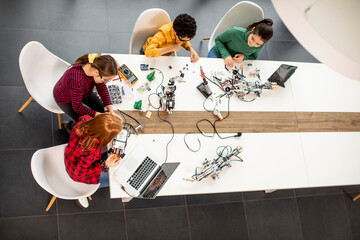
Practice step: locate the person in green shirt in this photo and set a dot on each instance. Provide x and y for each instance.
(237, 44)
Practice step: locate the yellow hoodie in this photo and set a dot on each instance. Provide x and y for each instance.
(165, 37)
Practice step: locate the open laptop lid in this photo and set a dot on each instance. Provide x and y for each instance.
(158, 181)
(137, 169)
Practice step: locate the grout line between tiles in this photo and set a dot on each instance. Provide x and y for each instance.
(52, 129)
(347, 215)
(19, 149)
(55, 30)
(246, 219)
(57, 219)
(187, 216)
(77, 213)
(320, 194)
(298, 213)
(30, 216)
(125, 222)
(107, 23)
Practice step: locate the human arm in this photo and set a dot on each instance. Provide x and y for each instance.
(105, 97)
(222, 40)
(194, 57)
(153, 44)
(76, 96)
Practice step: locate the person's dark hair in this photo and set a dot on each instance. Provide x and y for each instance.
(185, 26)
(262, 29)
(105, 64)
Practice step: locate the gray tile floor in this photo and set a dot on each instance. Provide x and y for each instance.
(71, 28)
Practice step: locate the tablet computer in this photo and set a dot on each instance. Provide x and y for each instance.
(282, 74)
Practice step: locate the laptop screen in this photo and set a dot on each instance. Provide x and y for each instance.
(155, 185)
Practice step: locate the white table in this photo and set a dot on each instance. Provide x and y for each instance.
(313, 87)
(271, 160)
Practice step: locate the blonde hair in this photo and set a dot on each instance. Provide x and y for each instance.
(102, 128)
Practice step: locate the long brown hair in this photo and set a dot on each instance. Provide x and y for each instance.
(102, 128)
(105, 64)
(263, 29)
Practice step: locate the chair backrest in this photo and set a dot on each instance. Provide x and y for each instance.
(241, 14)
(41, 70)
(146, 26)
(48, 169)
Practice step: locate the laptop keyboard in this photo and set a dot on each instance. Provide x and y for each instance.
(141, 173)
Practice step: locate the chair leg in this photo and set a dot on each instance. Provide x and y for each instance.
(90, 198)
(25, 104)
(50, 203)
(59, 119)
(206, 38)
(356, 198)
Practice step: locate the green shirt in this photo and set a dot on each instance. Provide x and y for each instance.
(234, 41)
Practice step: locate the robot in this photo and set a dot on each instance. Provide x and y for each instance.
(240, 87)
(167, 96)
(119, 142)
(213, 168)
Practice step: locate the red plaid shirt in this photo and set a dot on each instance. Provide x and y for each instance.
(82, 166)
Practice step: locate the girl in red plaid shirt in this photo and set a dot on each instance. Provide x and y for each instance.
(84, 152)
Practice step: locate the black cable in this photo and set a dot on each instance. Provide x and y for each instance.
(173, 133)
(164, 120)
(157, 88)
(227, 115)
(121, 112)
(188, 145)
(125, 122)
(202, 133)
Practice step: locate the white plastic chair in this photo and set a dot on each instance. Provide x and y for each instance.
(241, 14)
(146, 26)
(48, 169)
(41, 70)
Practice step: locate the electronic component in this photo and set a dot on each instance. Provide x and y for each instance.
(151, 76)
(204, 86)
(120, 141)
(144, 67)
(127, 74)
(240, 87)
(213, 168)
(115, 94)
(167, 96)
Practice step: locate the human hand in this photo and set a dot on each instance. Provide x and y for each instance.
(229, 61)
(112, 161)
(176, 47)
(238, 58)
(115, 114)
(194, 57)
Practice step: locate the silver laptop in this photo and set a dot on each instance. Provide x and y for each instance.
(141, 175)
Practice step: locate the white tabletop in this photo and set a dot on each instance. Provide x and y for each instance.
(332, 158)
(264, 166)
(271, 160)
(312, 88)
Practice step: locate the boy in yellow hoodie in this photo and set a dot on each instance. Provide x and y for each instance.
(170, 37)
